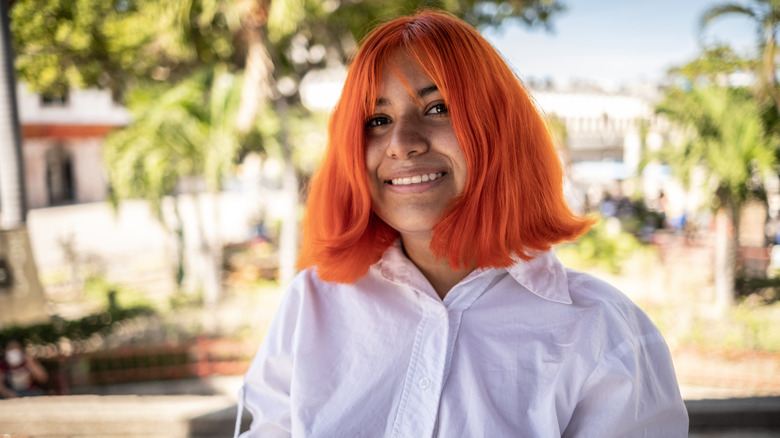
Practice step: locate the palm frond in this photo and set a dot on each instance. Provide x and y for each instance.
(722, 133)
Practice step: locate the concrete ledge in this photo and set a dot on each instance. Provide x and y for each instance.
(114, 416)
(734, 413)
(213, 416)
(218, 424)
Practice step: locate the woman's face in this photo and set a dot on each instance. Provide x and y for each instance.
(414, 162)
(14, 356)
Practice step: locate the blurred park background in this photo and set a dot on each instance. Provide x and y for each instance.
(154, 156)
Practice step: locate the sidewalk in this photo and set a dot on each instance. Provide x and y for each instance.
(194, 408)
(170, 410)
(123, 416)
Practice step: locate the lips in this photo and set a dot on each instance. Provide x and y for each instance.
(415, 179)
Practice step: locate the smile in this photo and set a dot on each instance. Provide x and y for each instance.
(416, 179)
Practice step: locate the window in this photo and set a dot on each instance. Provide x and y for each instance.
(54, 100)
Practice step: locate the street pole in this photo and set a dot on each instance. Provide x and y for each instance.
(12, 193)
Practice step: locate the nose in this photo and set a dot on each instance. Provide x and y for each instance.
(407, 140)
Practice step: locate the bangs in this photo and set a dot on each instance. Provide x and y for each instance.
(388, 61)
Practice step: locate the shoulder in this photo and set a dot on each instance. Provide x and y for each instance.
(578, 297)
(601, 298)
(588, 290)
(309, 293)
(307, 284)
(307, 281)
(630, 364)
(612, 316)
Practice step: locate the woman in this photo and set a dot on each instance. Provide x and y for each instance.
(430, 303)
(20, 374)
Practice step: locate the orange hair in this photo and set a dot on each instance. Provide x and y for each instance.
(513, 202)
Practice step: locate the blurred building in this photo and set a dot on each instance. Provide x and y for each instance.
(75, 235)
(603, 127)
(604, 136)
(63, 144)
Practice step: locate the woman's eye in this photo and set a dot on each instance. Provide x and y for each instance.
(438, 109)
(376, 122)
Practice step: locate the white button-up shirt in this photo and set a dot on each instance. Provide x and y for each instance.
(533, 350)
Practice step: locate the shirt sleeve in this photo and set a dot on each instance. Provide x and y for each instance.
(266, 390)
(633, 392)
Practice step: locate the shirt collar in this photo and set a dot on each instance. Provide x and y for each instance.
(397, 268)
(543, 275)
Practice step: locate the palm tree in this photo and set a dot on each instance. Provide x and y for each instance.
(765, 15)
(723, 136)
(260, 85)
(187, 131)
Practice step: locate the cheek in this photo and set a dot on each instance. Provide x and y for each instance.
(372, 162)
(459, 163)
(373, 156)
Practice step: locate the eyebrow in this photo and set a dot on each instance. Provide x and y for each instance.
(421, 93)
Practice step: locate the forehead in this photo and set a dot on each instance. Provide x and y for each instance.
(402, 64)
(402, 73)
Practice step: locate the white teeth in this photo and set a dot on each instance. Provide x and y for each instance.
(416, 179)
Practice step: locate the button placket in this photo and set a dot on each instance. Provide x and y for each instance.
(434, 346)
(420, 408)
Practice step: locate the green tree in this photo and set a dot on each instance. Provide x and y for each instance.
(713, 66)
(724, 136)
(121, 44)
(118, 45)
(183, 132)
(765, 15)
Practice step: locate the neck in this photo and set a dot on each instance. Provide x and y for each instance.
(437, 270)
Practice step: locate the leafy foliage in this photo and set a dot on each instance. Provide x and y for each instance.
(65, 44)
(186, 130)
(765, 16)
(605, 246)
(724, 135)
(121, 44)
(117, 303)
(73, 330)
(713, 64)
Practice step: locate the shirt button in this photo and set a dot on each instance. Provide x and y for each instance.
(424, 383)
(441, 313)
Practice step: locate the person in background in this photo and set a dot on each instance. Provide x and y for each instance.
(430, 302)
(20, 374)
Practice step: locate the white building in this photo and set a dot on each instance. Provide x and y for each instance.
(603, 127)
(606, 136)
(62, 144)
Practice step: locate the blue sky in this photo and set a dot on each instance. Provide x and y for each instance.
(617, 41)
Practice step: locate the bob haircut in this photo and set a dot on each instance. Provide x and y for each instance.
(512, 205)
